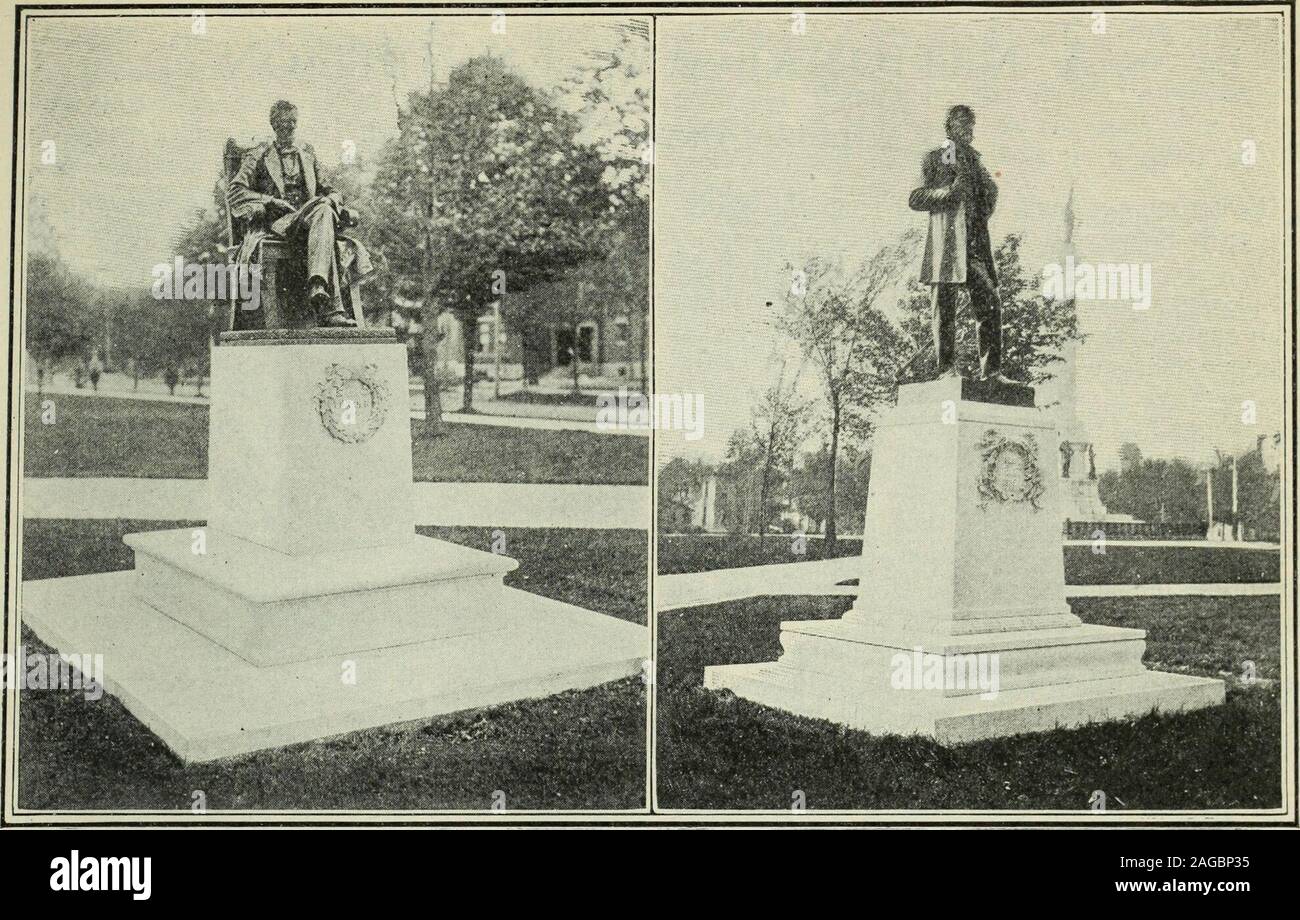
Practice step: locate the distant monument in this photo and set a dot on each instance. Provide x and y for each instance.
(1080, 498)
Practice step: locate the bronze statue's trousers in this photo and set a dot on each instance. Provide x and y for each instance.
(320, 244)
(988, 320)
(313, 229)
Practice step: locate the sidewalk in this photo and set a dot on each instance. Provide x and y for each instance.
(447, 504)
(822, 578)
(487, 411)
(119, 386)
(1216, 544)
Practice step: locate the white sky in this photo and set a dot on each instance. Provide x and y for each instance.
(771, 147)
(140, 108)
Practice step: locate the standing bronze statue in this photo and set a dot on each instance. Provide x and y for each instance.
(960, 195)
(279, 194)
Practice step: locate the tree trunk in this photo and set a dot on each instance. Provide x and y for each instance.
(642, 334)
(528, 339)
(573, 362)
(429, 338)
(830, 484)
(468, 333)
(762, 490)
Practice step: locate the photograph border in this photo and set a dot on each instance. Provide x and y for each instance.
(1286, 815)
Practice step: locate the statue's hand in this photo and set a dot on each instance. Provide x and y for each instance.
(930, 199)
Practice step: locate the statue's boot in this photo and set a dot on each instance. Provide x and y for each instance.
(1000, 378)
(338, 320)
(321, 303)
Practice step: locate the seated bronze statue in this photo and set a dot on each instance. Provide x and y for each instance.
(286, 219)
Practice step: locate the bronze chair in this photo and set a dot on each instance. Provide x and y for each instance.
(284, 303)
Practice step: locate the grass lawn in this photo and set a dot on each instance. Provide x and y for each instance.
(1119, 565)
(716, 750)
(100, 436)
(577, 750)
(679, 554)
(535, 398)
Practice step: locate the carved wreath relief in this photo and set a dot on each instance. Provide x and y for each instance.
(1010, 471)
(352, 403)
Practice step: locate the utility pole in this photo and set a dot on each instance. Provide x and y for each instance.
(498, 338)
(1236, 523)
(1209, 496)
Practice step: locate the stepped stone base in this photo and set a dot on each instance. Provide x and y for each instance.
(957, 720)
(961, 630)
(206, 702)
(270, 608)
(309, 606)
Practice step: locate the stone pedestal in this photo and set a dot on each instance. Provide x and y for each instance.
(1080, 495)
(309, 445)
(308, 605)
(961, 630)
(1082, 501)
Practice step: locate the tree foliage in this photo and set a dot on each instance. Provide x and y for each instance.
(1035, 328)
(838, 319)
(1173, 491)
(485, 183)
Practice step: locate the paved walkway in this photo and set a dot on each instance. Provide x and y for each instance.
(1199, 544)
(488, 411)
(822, 579)
(515, 421)
(1217, 544)
(469, 504)
(115, 387)
(1233, 589)
(790, 578)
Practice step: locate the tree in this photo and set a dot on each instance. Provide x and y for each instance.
(1130, 456)
(157, 334)
(1261, 492)
(485, 185)
(611, 96)
(738, 474)
(759, 460)
(679, 482)
(776, 429)
(837, 321)
(60, 324)
(1173, 491)
(852, 478)
(1035, 328)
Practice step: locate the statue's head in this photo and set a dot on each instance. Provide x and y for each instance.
(960, 124)
(284, 121)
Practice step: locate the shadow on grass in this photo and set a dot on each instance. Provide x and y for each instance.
(100, 436)
(718, 751)
(581, 749)
(1121, 564)
(601, 570)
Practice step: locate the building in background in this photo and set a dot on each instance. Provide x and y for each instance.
(581, 319)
